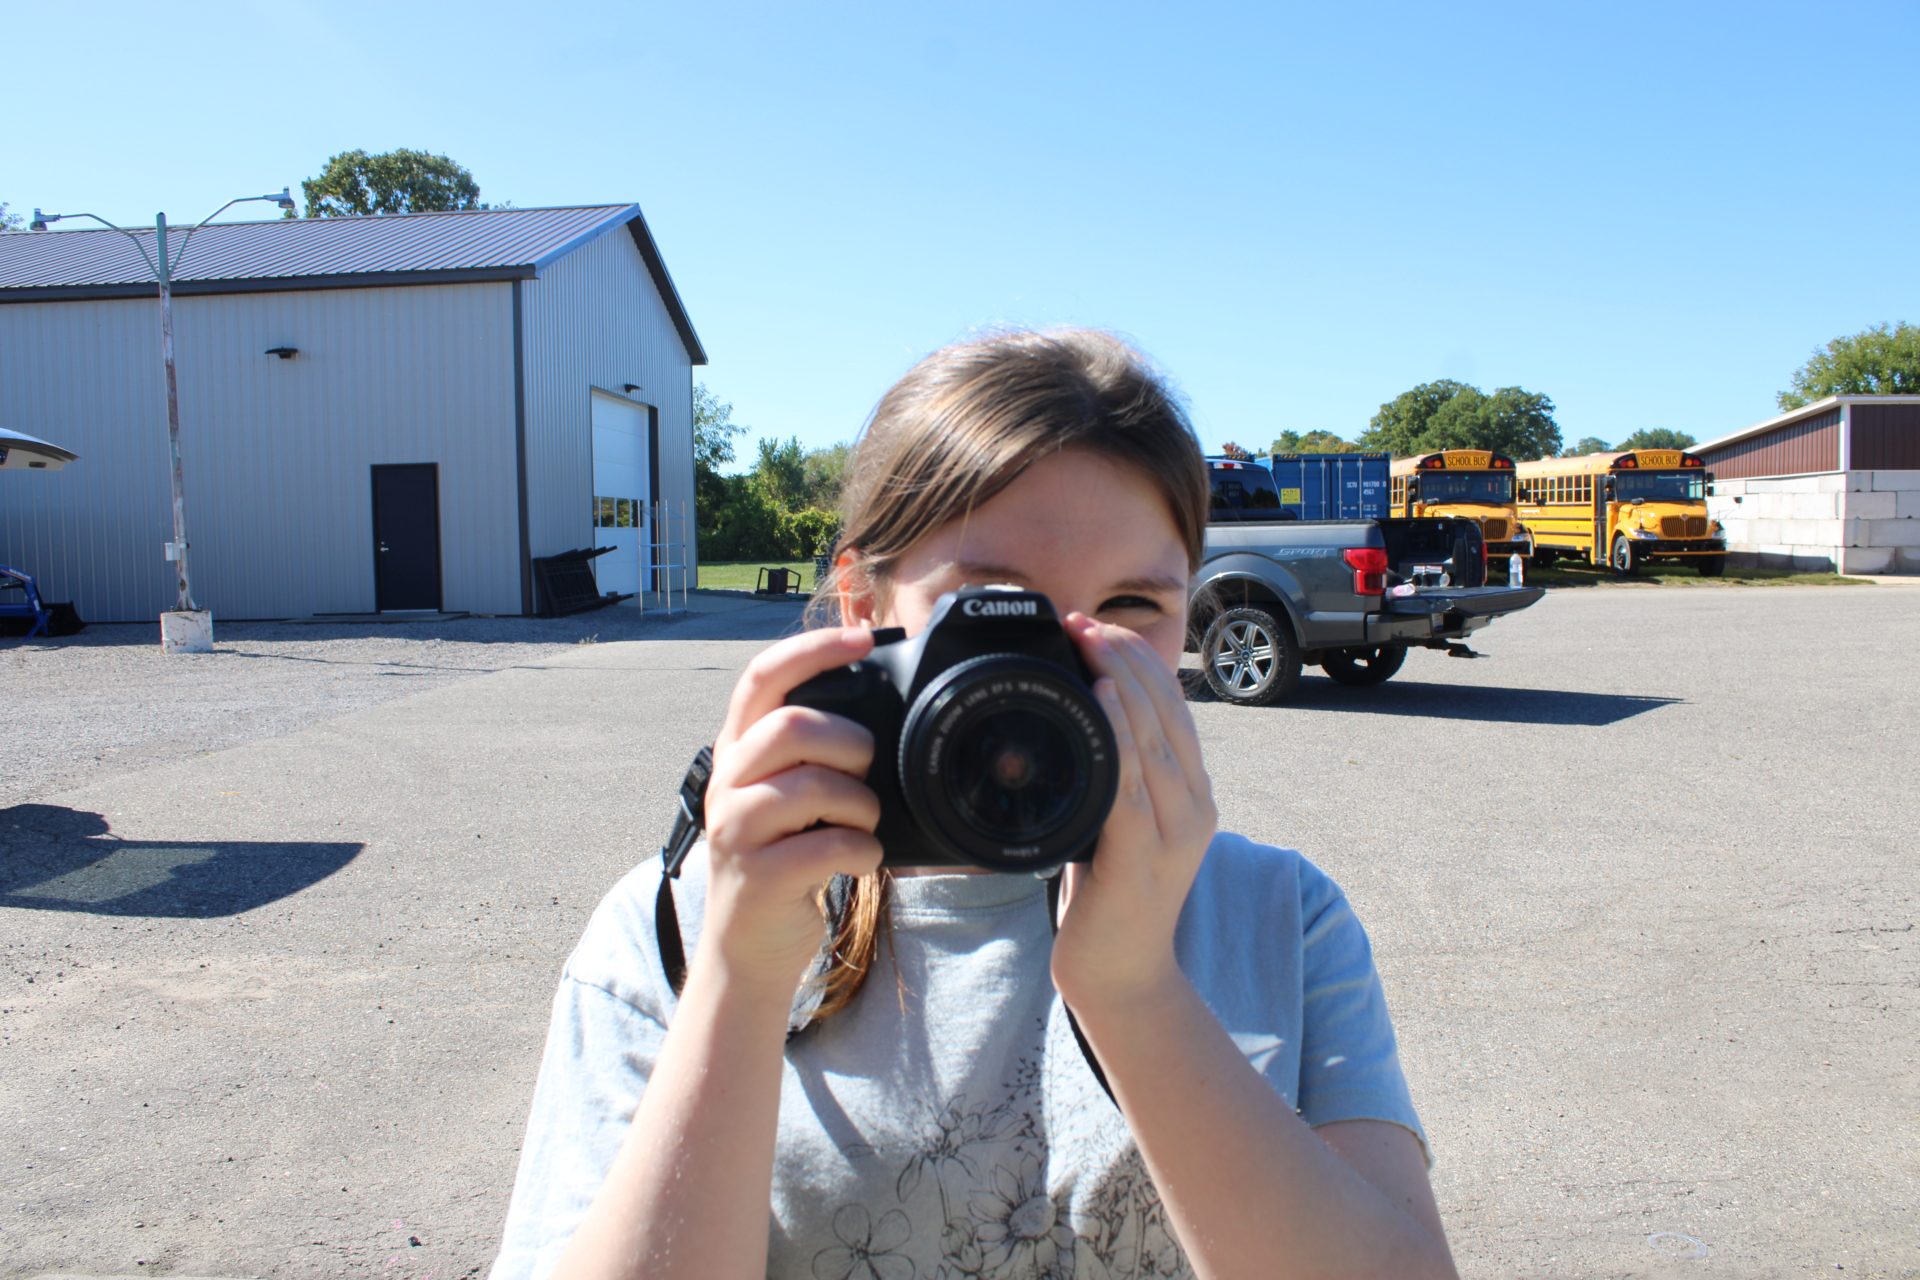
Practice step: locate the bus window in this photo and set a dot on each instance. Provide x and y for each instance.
(1659, 486)
(1467, 486)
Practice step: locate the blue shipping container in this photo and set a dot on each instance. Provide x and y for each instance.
(1331, 486)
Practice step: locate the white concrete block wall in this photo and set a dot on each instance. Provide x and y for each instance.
(1857, 521)
(1881, 505)
(1868, 559)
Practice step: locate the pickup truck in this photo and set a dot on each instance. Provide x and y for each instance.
(1348, 596)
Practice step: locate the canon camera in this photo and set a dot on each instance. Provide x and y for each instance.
(989, 748)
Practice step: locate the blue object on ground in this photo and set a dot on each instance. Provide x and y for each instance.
(30, 606)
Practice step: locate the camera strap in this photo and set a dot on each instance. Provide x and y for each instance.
(692, 820)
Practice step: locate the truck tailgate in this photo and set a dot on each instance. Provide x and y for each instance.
(1465, 602)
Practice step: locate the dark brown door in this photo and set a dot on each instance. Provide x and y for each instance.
(406, 537)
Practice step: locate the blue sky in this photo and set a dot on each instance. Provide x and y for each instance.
(1652, 213)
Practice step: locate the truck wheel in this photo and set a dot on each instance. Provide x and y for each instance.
(1371, 664)
(1623, 562)
(1250, 657)
(1712, 566)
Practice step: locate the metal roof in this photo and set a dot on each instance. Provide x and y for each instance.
(323, 253)
(1814, 409)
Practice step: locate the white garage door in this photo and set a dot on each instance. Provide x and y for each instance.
(620, 492)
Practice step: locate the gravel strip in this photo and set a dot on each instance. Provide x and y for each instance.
(109, 701)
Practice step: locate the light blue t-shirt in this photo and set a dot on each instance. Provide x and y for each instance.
(945, 1125)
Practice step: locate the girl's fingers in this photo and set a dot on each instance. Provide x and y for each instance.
(791, 736)
(794, 800)
(1133, 787)
(1157, 760)
(813, 857)
(778, 671)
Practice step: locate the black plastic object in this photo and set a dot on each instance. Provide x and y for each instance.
(567, 585)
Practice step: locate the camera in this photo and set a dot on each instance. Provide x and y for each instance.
(989, 748)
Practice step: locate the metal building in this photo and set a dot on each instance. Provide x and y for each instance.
(1834, 485)
(377, 413)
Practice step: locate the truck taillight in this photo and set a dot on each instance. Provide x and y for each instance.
(1369, 565)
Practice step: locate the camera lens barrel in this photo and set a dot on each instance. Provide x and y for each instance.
(1007, 760)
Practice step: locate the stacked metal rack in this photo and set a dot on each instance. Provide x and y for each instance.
(669, 565)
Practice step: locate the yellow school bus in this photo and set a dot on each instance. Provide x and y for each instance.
(1474, 483)
(1623, 509)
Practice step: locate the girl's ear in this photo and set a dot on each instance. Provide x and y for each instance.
(857, 605)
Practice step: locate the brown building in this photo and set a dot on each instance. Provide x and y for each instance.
(1835, 485)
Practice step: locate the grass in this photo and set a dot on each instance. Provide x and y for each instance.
(744, 575)
(1567, 573)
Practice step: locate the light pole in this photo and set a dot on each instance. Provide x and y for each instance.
(187, 628)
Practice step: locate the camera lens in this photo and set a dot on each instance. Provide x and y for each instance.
(1007, 762)
(1014, 774)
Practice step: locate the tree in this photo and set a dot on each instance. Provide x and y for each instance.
(1657, 438)
(826, 475)
(1312, 442)
(1452, 415)
(1881, 360)
(402, 181)
(1232, 450)
(1585, 445)
(9, 221)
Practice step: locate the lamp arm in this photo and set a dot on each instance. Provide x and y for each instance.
(145, 256)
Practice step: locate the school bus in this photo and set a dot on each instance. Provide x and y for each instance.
(1474, 483)
(1623, 509)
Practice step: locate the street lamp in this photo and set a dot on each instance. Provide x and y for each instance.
(187, 629)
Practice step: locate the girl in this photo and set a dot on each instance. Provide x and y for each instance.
(932, 1117)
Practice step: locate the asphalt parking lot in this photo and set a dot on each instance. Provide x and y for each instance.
(1641, 883)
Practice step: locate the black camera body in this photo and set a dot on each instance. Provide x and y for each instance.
(989, 748)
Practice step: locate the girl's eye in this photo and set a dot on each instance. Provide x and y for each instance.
(1127, 604)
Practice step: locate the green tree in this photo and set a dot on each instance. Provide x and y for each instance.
(9, 221)
(1452, 415)
(1585, 445)
(826, 475)
(402, 181)
(714, 433)
(1311, 442)
(1658, 438)
(780, 472)
(1883, 360)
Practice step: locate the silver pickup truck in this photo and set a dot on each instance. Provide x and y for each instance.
(1349, 596)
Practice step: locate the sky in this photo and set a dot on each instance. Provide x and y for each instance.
(1651, 213)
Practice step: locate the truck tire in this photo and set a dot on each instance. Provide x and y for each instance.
(1712, 566)
(1622, 559)
(1369, 664)
(1250, 657)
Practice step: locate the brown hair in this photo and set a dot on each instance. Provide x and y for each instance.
(956, 430)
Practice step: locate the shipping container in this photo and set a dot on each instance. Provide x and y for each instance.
(1331, 486)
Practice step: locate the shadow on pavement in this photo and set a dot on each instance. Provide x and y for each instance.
(1461, 702)
(57, 859)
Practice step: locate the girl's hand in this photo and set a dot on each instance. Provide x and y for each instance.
(779, 773)
(1116, 941)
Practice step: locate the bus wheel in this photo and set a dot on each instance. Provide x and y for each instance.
(1623, 563)
(1712, 566)
(1250, 657)
(1368, 665)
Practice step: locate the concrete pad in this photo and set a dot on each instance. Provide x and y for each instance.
(1654, 983)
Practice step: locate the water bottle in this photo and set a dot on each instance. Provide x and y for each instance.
(1516, 571)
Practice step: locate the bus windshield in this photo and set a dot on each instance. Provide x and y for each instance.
(1494, 487)
(1659, 486)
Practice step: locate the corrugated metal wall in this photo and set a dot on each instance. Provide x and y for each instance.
(1794, 449)
(1885, 437)
(276, 452)
(594, 319)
